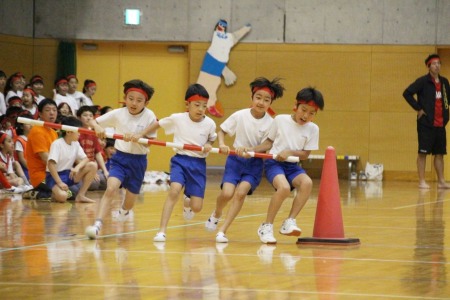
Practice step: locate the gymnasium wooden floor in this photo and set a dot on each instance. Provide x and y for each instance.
(404, 250)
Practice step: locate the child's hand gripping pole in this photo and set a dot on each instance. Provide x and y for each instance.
(142, 140)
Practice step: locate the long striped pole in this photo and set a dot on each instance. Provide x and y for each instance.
(142, 140)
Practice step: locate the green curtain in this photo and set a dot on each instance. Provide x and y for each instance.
(67, 59)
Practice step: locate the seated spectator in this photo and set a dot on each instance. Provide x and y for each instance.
(38, 146)
(68, 164)
(37, 84)
(60, 94)
(93, 149)
(8, 166)
(29, 102)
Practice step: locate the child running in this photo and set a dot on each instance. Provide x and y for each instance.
(129, 164)
(187, 168)
(242, 175)
(290, 135)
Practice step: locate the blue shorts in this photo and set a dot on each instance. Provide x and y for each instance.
(64, 175)
(288, 169)
(129, 169)
(190, 172)
(212, 66)
(238, 169)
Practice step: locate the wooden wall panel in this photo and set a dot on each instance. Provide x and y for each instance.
(393, 69)
(38, 56)
(102, 66)
(115, 63)
(393, 140)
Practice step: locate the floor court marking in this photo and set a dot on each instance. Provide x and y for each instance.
(419, 204)
(117, 234)
(259, 290)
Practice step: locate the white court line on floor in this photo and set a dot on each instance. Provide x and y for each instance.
(117, 234)
(419, 204)
(215, 288)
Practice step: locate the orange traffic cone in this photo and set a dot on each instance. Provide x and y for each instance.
(328, 225)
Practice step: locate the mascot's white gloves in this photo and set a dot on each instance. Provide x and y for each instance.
(228, 76)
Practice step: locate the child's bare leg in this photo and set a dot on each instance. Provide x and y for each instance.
(224, 197)
(16, 181)
(86, 174)
(128, 202)
(303, 184)
(196, 204)
(171, 200)
(283, 190)
(113, 186)
(58, 195)
(236, 204)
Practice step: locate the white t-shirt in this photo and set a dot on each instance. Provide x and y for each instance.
(249, 130)
(31, 110)
(124, 122)
(286, 134)
(2, 104)
(18, 145)
(64, 154)
(8, 159)
(39, 98)
(221, 45)
(69, 100)
(78, 96)
(81, 99)
(11, 94)
(186, 131)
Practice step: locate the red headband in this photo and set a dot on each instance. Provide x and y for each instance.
(30, 91)
(14, 100)
(91, 84)
(37, 78)
(308, 102)
(63, 80)
(196, 97)
(72, 76)
(264, 88)
(16, 78)
(432, 61)
(137, 90)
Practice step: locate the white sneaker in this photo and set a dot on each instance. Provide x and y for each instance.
(211, 223)
(265, 253)
(265, 232)
(221, 238)
(122, 215)
(15, 190)
(92, 232)
(26, 187)
(290, 228)
(188, 214)
(160, 237)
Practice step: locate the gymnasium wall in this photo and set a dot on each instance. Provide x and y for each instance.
(365, 113)
(30, 56)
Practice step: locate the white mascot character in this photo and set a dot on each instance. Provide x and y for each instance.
(215, 63)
